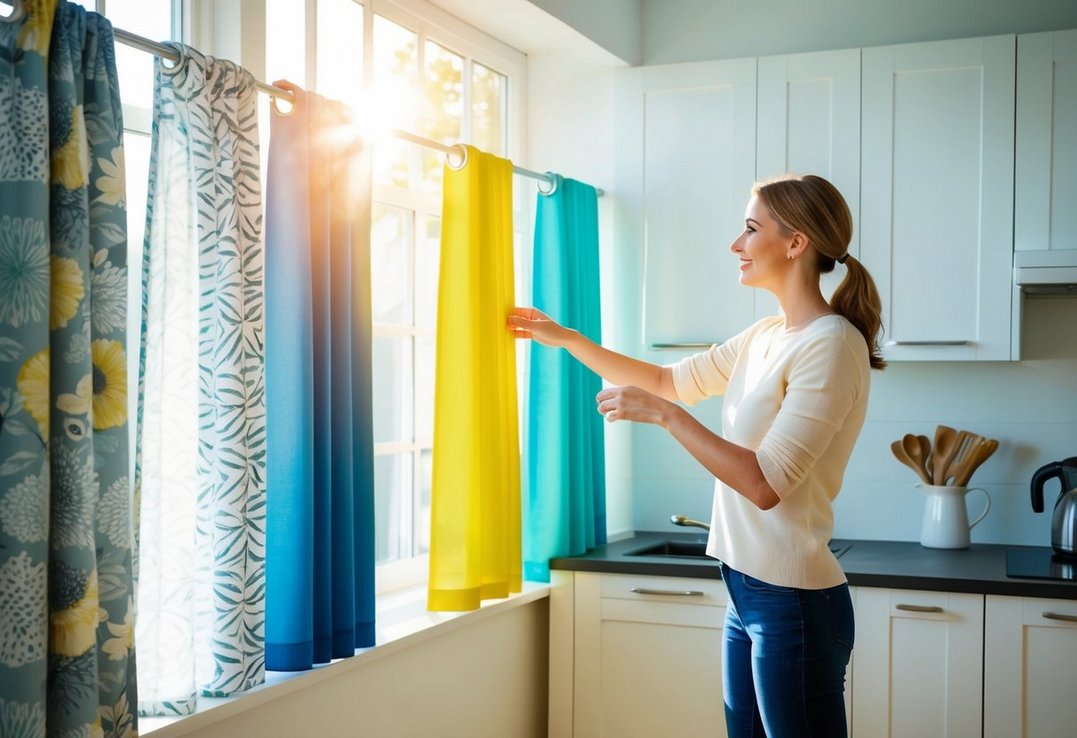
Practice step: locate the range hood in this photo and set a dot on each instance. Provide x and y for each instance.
(1048, 272)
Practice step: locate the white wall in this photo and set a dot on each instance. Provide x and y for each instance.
(485, 680)
(698, 30)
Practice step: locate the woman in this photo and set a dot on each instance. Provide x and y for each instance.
(796, 391)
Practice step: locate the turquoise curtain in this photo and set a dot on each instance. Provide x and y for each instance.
(67, 665)
(201, 450)
(320, 559)
(565, 508)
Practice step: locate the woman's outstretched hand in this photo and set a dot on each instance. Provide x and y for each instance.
(633, 403)
(528, 322)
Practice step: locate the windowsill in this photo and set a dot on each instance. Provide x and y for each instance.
(402, 622)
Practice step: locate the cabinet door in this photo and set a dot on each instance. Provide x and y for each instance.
(937, 195)
(1030, 668)
(809, 123)
(685, 170)
(1046, 158)
(917, 664)
(648, 656)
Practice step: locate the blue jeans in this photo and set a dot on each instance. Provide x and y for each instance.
(784, 659)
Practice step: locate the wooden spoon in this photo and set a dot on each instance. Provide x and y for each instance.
(984, 448)
(913, 450)
(925, 452)
(945, 446)
(901, 455)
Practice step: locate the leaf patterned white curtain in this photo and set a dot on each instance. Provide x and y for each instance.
(201, 454)
(67, 665)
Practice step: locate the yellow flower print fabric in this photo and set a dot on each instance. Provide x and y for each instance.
(66, 585)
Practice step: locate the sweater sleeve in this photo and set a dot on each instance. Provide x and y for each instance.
(707, 374)
(824, 382)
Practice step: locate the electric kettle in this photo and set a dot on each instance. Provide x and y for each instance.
(1064, 520)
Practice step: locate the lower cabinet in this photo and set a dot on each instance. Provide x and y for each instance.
(645, 658)
(1030, 668)
(918, 664)
(641, 656)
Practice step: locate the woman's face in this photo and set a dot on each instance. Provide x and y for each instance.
(762, 247)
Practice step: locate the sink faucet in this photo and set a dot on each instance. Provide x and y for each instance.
(683, 521)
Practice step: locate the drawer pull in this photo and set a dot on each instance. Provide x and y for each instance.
(671, 592)
(1060, 616)
(918, 608)
(928, 343)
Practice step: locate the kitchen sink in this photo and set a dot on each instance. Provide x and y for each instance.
(698, 550)
(673, 549)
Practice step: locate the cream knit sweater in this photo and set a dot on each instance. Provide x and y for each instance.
(797, 398)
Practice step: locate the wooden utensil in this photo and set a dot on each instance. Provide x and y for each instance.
(912, 449)
(899, 453)
(945, 446)
(984, 448)
(925, 452)
(968, 443)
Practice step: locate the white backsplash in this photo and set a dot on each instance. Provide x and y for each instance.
(1030, 406)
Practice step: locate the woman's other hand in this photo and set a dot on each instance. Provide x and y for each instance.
(633, 403)
(528, 322)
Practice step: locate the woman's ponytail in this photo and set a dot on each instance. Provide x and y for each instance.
(815, 207)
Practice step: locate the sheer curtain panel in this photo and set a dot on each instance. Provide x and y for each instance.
(201, 607)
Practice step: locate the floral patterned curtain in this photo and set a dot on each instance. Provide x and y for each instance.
(201, 451)
(67, 665)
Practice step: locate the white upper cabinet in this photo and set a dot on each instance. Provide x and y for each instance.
(685, 174)
(1045, 215)
(809, 123)
(936, 206)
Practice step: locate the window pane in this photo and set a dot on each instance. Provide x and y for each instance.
(286, 51)
(424, 389)
(488, 109)
(392, 503)
(149, 18)
(427, 263)
(443, 105)
(390, 264)
(396, 70)
(423, 513)
(340, 50)
(392, 386)
(136, 171)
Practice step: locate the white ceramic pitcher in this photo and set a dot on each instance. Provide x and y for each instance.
(946, 520)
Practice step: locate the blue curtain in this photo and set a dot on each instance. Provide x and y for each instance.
(565, 510)
(320, 557)
(67, 662)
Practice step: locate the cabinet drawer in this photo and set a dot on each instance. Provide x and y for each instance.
(673, 590)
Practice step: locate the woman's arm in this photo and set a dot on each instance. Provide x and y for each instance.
(613, 367)
(736, 466)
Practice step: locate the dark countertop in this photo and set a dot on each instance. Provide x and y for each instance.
(979, 569)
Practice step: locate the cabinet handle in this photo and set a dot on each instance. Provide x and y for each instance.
(1060, 616)
(928, 343)
(918, 608)
(684, 344)
(672, 592)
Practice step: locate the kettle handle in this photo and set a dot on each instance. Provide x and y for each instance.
(1041, 475)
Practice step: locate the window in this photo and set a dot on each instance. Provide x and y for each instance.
(411, 67)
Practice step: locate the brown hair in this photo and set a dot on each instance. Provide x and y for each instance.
(814, 207)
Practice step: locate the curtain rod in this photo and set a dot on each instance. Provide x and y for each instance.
(157, 49)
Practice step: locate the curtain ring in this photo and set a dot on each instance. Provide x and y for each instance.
(458, 150)
(274, 100)
(551, 180)
(18, 10)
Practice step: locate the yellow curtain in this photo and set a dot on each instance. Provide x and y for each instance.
(475, 497)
